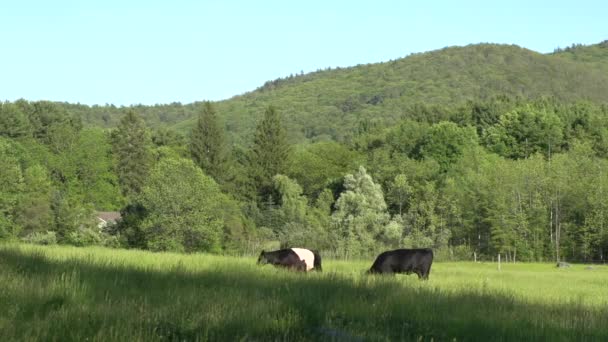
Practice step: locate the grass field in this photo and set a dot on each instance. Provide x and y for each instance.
(95, 294)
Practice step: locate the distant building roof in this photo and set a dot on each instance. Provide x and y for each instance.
(108, 216)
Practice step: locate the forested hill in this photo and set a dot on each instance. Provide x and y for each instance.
(596, 54)
(332, 103)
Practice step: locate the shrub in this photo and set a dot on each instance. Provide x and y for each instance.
(41, 238)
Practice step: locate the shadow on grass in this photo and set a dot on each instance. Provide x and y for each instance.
(76, 299)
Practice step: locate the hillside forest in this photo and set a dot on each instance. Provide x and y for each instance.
(481, 149)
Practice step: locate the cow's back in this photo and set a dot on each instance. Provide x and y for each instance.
(408, 260)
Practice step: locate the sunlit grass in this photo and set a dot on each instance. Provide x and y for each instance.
(66, 293)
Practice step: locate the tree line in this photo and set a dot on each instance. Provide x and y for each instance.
(521, 178)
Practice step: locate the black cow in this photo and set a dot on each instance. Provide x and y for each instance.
(404, 261)
(298, 259)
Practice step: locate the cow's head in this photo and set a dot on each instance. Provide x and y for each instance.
(262, 258)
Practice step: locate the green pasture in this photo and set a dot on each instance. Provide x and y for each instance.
(75, 294)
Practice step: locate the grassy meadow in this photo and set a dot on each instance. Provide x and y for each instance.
(62, 293)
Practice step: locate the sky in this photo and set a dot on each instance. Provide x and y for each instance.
(154, 52)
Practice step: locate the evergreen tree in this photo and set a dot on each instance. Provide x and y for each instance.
(270, 151)
(131, 149)
(207, 145)
(33, 212)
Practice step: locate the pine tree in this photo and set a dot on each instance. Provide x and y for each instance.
(270, 151)
(131, 143)
(207, 145)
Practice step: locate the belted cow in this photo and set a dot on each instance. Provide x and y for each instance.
(299, 259)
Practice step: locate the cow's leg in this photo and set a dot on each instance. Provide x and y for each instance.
(425, 273)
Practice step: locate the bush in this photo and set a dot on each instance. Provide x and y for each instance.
(84, 237)
(462, 253)
(41, 238)
(457, 253)
(111, 241)
(8, 230)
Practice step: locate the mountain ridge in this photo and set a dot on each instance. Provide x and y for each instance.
(331, 103)
(445, 77)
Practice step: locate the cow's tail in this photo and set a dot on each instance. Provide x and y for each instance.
(317, 262)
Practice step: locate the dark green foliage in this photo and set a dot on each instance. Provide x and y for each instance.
(33, 210)
(131, 148)
(269, 152)
(207, 146)
(129, 228)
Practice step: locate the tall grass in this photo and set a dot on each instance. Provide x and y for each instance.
(76, 294)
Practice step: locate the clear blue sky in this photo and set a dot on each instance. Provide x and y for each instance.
(127, 52)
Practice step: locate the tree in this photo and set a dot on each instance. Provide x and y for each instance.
(424, 228)
(399, 191)
(293, 205)
(524, 131)
(183, 208)
(446, 142)
(51, 124)
(207, 145)
(292, 224)
(11, 185)
(360, 217)
(131, 148)
(404, 137)
(269, 152)
(315, 166)
(13, 122)
(33, 213)
(74, 221)
(94, 180)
